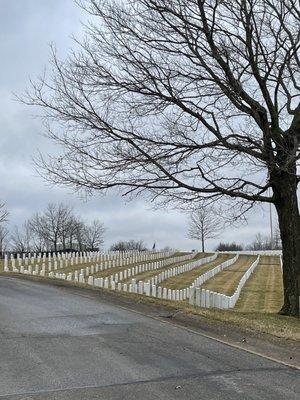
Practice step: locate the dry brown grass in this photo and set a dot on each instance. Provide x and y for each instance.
(145, 276)
(227, 280)
(263, 292)
(187, 278)
(115, 270)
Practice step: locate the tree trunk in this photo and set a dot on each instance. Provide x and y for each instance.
(202, 240)
(286, 203)
(64, 243)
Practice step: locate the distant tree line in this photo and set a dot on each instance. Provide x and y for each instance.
(57, 228)
(229, 247)
(261, 242)
(206, 223)
(137, 245)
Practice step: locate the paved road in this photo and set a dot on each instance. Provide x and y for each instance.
(58, 344)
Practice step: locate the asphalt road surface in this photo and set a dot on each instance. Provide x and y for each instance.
(58, 344)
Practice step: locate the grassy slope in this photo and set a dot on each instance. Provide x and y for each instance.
(145, 276)
(187, 278)
(263, 292)
(227, 280)
(112, 271)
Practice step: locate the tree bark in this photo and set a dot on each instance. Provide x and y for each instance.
(202, 240)
(286, 203)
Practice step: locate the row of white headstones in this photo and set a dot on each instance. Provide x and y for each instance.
(196, 295)
(209, 299)
(49, 262)
(150, 287)
(83, 274)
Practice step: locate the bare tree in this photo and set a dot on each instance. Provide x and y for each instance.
(3, 239)
(22, 239)
(94, 235)
(80, 235)
(265, 242)
(188, 100)
(3, 229)
(66, 222)
(137, 245)
(277, 244)
(56, 228)
(229, 247)
(3, 213)
(204, 224)
(51, 225)
(261, 242)
(72, 228)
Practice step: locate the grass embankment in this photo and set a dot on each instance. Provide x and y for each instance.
(187, 278)
(145, 276)
(227, 280)
(263, 292)
(271, 323)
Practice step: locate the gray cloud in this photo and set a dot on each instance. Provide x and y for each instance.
(26, 30)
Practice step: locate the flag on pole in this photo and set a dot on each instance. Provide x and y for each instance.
(154, 246)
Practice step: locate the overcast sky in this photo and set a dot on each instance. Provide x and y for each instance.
(26, 30)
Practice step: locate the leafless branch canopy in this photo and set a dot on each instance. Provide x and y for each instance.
(204, 224)
(184, 99)
(57, 228)
(3, 213)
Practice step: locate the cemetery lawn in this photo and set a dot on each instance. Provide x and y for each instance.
(227, 280)
(115, 270)
(185, 280)
(270, 323)
(109, 271)
(263, 292)
(145, 276)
